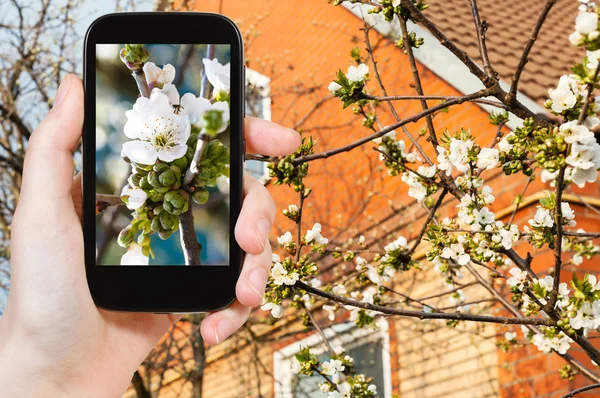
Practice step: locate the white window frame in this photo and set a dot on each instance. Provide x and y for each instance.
(344, 334)
(263, 83)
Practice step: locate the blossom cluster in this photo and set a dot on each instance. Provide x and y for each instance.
(163, 132)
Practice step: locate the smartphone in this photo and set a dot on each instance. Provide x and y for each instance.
(163, 152)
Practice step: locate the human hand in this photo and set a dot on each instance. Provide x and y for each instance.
(53, 339)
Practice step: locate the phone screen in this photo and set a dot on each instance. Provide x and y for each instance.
(162, 154)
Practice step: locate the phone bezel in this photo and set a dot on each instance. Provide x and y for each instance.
(162, 288)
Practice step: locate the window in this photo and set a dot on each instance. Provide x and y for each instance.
(258, 103)
(369, 348)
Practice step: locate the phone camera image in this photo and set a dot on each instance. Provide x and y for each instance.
(162, 154)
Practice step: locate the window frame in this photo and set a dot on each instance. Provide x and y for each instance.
(345, 334)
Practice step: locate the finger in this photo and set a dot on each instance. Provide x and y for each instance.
(217, 326)
(268, 138)
(253, 278)
(256, 217)
(48, 164)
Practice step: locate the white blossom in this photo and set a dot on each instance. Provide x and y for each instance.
(416, 190)
(285, 239)
(568, 214)
(563, 97)
(542, 218)
(157, 76)
(276, 309)
(333, 87)
(330, 309)
(517, 279)
(504, 145)
(586, 22)
(357, 74)
(296, 366)
(218, 75)
(339, 290)
(588, 316)
(487, 158)
(314, 234)
(332, 367)
(510, 336)
(456, 251)
(509, 236)
(134, 256)
(136, 197)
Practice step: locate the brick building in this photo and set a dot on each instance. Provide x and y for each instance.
(294, 49)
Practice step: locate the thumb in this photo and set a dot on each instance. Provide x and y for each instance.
(48, 167)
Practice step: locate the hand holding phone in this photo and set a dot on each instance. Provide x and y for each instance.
(51, 327)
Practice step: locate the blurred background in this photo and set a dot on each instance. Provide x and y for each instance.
(116, 92)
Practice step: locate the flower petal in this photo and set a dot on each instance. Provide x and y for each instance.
(170, 154)
(139, 152)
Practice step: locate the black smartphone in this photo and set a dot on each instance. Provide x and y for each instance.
(163, 155)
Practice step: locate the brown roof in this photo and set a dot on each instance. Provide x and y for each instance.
(511, 23)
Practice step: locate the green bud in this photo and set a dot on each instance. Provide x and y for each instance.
(176, 202)
(181, 163)
(134, 56)
(164, 234)
(134, 180)
(144, 240)
(201, 196)
(125, 237)
(212, 121)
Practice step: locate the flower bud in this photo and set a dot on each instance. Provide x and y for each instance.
(176, 202)
(201, 196)
(125, 237)
(134, 56)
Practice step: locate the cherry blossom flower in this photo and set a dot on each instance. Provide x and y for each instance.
(276, 309)
(134, 256)
(158, 77)
(314, 234)
(339, 290)
(563, 97)
(296, 366)
(568, 214)
(509, 236)
(357, 74)
(487, 158)
(517, 279)
(586, 22)
(285, 239)
(542, 219)
(332, 367)
(510, 336)
(135, 197)
(330, 310)
(456, 251)
(588, 316)
(217, 74)
(158, 133)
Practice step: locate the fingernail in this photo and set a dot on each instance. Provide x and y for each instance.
(257, 281)
(223, 330)
(61, 93)
(263, 226)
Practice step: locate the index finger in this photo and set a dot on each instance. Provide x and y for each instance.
(268, 138)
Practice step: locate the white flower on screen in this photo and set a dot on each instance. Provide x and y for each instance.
(134, 256)
(170, 91)
(586, 22)
(510, 336)
(314, 235)
(217, 74)
(333, 87)
(568, 214)
(330, 310)
(509, 236)
(276, 309)
(542, 219)
(357, 74)
(517, 279)
(456, 252)
(487, 158)
(573, 132)
(159, 76)
(285, 239)
(135, 197)
(563, 97)
(157, 132)
(194, 107)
